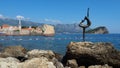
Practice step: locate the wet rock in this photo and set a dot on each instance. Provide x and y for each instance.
(88, 53)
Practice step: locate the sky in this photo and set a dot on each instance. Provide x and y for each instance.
(102, 12)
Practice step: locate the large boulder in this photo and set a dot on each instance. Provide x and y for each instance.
(14, 51)
(32, 63)
(37, 63)
(88, 53)
(18, 52)
(50, 55)
(9, 62)
(40, 53)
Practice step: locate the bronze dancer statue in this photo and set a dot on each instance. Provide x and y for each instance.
(84, 26)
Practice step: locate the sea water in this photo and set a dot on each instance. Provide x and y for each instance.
(57, 43)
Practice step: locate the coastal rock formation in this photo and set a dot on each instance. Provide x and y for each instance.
(88, 53)
(19, 57)
(48, 30)
(98, 30)
(78, 55)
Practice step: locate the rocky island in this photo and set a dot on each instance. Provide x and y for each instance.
(98, 30)
(78, 55)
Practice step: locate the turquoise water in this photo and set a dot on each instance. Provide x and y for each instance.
(57, 43)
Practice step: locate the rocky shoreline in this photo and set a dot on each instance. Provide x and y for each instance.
(78, 55)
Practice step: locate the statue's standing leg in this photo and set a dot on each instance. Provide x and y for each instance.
(83, 34)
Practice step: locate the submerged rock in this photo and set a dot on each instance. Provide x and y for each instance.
(88, 53)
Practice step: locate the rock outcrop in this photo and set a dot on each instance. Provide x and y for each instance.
(88, 53)
(48, 30)
(98, 30)
(19, 57)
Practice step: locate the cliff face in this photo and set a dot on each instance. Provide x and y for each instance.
(98, 30)
(48, 30)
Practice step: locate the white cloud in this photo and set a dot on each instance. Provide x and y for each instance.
(27, 19)
(51, 21)
(1, 16)
(19, 17)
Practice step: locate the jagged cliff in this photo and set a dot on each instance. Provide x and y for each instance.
(98, 30)
(48, 30)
